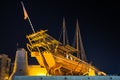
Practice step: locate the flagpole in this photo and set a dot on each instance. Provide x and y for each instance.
(27, 17)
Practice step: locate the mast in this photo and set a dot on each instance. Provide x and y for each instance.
(64, 30)
(79, 44)
(77, 40)
(64, 33)
(27, 17)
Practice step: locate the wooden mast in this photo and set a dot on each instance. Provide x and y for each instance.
(79, 44)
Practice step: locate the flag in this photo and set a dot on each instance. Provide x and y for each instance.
(25, 12)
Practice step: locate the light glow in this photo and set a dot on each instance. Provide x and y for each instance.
(36, 70)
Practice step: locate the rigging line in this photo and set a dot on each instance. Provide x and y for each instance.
(74, 39)
(67, 41)
(60, 34)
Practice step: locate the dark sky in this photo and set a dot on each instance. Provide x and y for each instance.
(99, 22)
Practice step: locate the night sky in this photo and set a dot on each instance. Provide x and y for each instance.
(99, 22)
